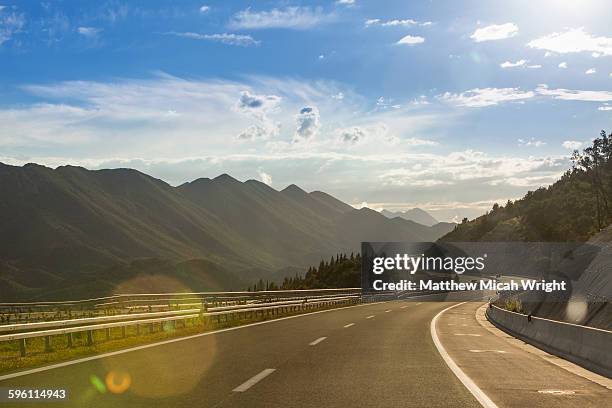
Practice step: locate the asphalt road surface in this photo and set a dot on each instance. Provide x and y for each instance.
(376, 355)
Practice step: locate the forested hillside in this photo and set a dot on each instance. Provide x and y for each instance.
(341, 271)
(573, 209)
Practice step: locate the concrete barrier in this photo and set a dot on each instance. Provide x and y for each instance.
(588, 347)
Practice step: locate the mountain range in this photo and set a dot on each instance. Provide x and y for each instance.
(73, 232)
(414, 214)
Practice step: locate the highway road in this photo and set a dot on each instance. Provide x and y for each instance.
(375, 355)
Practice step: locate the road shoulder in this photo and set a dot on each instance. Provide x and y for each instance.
(509, 373)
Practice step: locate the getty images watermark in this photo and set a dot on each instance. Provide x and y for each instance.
(428, 267)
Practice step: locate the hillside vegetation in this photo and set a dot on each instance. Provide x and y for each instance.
(574, 208)
(341, 271)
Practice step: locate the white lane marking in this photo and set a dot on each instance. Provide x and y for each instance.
(369, 317)
(161, 343)
(403, 307)
(467, 334)
(349, 325)
(254, 380)
(488, 351)
(387, 311)
(557, 392)
(418, 303)
(317, 341)
(484, 400)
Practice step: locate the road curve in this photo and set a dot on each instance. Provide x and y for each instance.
(339, 358)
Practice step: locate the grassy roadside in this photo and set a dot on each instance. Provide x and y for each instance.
(36, 356)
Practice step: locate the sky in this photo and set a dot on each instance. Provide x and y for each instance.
(444, 105)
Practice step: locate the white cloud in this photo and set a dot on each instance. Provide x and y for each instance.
(590, 71)
(351, 135)
(263, 131)
(415, 141)
(531, 143)
(480, 97)
(469, 166)
(520, 63)
(571, 144)
(396, 23)
(605, 107)
(204, 9)
(495, 32)
(211, 115)
(257, 104)
(265, 177)
(509, 64)
(308, 123)
(346, 2)
(411, 40)
(575, 95)
(225, 38)
(562, 65)
(10, 24)
(571, 41)
(289, 17)
(258, 107)
(339, 96)
(89, 31)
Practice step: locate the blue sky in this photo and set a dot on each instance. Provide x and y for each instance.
(445, 105)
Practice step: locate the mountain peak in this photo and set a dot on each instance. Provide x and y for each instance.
(293, 189)
(414, 214)
(225, 178)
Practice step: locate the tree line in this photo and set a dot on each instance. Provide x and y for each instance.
(341, 271)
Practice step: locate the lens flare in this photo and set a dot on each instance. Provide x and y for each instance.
(577, 309)
(97, 383)
(118, 382)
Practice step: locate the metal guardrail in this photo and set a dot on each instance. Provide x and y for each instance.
(177, 297)
(23, 331)
(151, 302)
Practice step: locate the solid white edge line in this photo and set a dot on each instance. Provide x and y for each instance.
(254, 380)
(349, 325)
(482, 398)
(161, 343)
(317, 341)
(369, 317)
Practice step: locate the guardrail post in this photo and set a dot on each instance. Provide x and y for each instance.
(47, 344)
(22, 347)
(123, 332)
(69, 338)
(107, 332)
(89, 337)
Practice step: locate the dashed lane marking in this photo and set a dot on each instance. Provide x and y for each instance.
(254, 380)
